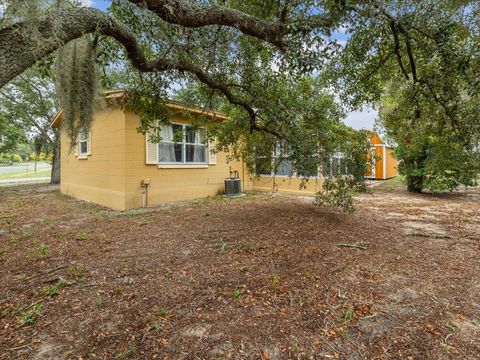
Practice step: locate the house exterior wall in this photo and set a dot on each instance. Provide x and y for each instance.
(287, 185)
(112, 174)
(168, 184)
(98, 177)
(392, 164)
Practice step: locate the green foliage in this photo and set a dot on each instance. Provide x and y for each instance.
(43, 249)
(76, 271)
(161, 312)
(81, 235)
(6, 158)
(30, 316)
(41, 156)
(419, 62)
(274, 283)
(27, 106)
(54, 290)
(336, 192)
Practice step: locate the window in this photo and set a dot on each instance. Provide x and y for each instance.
(276, 163)
(83, 139)
(182, 144)
(335, 166)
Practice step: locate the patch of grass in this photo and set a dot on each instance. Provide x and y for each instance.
(119, 290)
(237, 295)
(220, 246)
(30, 316)
(208, 200)
(76, 271)
(81, 235)
(392, 184)
(348, 316)
(54, 290)
(43, 249)
(274, 283)
(23, 174)
(38, 251)
(129, 352)
(161, 312)
(168, 272)
(99, 300)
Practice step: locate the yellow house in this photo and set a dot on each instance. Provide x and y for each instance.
(115, 166)
(383, 164)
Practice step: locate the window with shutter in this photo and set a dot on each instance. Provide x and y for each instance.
(182, 145)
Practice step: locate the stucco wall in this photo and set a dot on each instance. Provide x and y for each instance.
(167, 185)
(100, 177)
(286, 185)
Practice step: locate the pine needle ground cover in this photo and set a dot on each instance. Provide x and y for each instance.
(258, 277)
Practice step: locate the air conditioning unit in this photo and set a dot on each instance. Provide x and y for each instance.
(233, 186)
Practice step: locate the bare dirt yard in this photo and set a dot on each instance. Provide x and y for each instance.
(259, 277)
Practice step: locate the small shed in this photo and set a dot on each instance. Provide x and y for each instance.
(382, 160)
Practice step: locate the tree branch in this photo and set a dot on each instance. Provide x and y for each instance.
(21, 51)
(396, 49)
(193, 16)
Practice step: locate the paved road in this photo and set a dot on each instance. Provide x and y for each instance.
(30, 166)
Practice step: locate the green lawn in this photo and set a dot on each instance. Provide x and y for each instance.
(23, 174)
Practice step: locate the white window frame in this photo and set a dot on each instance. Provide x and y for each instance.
(183, 163)
(83, 138)
(276, 154)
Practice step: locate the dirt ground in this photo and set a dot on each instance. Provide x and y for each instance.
(259, 277)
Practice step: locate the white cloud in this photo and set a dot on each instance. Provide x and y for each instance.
(86, 2)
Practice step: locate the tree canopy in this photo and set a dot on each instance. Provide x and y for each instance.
(256, 60)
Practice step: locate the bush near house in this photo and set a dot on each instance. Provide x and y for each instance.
(42, 157)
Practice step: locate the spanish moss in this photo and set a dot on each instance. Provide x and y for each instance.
(77, 85)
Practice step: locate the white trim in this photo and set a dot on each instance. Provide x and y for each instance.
(288, 177)
(183, 166)
(384, 162)
(184, 144)
(86, 140)
(82, 157)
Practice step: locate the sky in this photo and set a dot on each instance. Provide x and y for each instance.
(364, 119)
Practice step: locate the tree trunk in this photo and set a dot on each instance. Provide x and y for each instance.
(414, 186)
(55, 176)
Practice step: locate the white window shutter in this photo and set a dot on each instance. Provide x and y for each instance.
(89, 143)
(212, 152)
(151, 149)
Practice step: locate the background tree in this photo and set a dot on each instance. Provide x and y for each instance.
(27, 106)
(420, 62)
